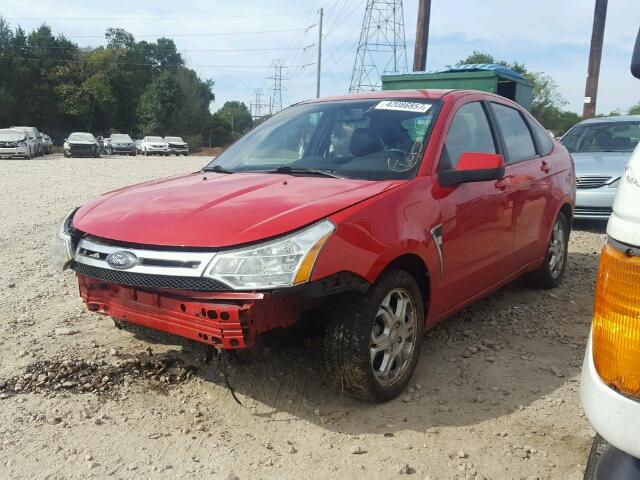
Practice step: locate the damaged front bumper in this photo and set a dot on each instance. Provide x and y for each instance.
(228, 320)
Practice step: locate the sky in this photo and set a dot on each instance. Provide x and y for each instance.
(234, 42)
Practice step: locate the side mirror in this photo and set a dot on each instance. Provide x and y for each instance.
(635, 59)
(474, 167)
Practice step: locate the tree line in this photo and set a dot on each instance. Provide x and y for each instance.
(127, 86)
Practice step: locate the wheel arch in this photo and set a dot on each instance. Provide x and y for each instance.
(415, 266)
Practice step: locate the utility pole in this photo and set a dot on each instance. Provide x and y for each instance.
(595, 55)
(319, 53)
(422, 36)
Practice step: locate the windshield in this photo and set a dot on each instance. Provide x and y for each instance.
(81, 137)
(603, 137)
(363, 139)
(155, 139)
(120, 137)
(9, 135)
(174, 139)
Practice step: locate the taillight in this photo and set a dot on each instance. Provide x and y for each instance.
(616, 321)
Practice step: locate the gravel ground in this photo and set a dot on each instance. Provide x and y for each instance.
(495, 394)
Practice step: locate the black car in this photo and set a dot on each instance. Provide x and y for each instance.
(121, 143)
(81, 144)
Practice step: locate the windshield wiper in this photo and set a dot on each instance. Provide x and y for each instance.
(217, 169)
(302, 171)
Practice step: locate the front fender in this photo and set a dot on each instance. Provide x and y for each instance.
(372, 234)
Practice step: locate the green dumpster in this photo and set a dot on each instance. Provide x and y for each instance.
(485, 77)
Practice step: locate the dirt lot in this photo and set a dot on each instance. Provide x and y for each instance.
(495, 394)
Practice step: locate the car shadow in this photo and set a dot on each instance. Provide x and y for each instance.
(498, 356)
(594, 226)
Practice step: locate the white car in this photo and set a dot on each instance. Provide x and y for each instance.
(154, 146)
(15, 142)
(37, 138)
(177, 145)
(610, 383)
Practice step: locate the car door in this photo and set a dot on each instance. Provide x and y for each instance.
(528, 176)
(477, 230)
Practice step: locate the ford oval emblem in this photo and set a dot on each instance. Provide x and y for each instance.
(122, 260)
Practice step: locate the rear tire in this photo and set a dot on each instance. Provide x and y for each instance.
(372, 343)
(551, 272)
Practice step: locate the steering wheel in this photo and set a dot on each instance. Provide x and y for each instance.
(399, 161)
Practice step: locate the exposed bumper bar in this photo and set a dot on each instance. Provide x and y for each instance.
(228, 320)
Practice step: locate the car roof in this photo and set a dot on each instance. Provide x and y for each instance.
(612, 119)
(386, 94)
(81, 133)
(422, 94)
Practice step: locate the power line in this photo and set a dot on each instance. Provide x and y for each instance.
(102, 62)
(154, 18)
(221, 34)
(156, 49)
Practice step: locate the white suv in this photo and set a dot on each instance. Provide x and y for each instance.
(610, 383)
(154, 146)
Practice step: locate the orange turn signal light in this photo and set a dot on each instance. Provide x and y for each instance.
(306, 267)
(616, 321)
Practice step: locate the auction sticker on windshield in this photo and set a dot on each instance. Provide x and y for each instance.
(403, 106)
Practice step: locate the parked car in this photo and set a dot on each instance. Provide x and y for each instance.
(177, 146)
(378, 215)
(154, 146)
(81, 144)
(610, 381)
(139, 146)
(47, 144)
(35, 135)
(601, 147)
(121, 143)
(15, 142)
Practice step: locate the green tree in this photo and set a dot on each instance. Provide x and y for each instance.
(159, 105)
(238, 115)
(635, 110)
(218, 130)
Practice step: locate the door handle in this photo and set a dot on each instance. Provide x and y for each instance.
(545, 167)
(503, 183)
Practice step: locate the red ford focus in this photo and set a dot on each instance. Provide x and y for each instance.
(380, 214)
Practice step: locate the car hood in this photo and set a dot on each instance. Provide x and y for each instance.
(219, 210)
(609, 164)
(81, 142)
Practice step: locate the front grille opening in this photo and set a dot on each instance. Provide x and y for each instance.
(132, 279)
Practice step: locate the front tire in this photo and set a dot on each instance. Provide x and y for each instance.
(550, 274)
(372, 343)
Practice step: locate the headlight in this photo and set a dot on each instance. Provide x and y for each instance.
(62, 245)
(614, 184)
(66, 145)
(279, 263)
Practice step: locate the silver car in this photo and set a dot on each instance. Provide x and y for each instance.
(600, 147)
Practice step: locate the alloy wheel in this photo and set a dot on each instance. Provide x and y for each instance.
(557, 249)
(393, 336)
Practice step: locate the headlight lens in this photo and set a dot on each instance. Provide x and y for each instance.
(66, 145)
(62, 245)
(614, 184)
(280, 263)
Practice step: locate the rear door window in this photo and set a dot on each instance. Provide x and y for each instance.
(543, 139)
(519, 144)
(469, 132)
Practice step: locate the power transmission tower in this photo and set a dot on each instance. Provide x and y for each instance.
(256, 106)
(276, 98)
(382, 48)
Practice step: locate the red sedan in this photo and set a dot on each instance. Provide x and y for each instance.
(377, 215)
